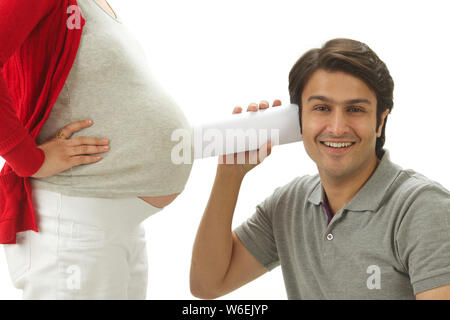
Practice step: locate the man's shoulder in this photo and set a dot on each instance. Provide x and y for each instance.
(299, 187)
(410, 181)
(414, 190)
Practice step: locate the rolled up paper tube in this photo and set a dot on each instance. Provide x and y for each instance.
(247, 131)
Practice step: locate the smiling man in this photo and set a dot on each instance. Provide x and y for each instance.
(362, 228)
(340, 133)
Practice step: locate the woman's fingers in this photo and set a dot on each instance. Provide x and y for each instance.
(79, 150)
(73, 127)
(87, 145)
(87, 141)
(276, 103)
(79, 160)
(63, 154)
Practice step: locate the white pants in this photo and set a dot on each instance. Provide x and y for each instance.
(86, 248)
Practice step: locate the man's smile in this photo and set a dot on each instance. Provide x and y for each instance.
(337, 147)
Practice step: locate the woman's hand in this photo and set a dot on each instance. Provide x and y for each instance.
(242, 169)
(63, 154)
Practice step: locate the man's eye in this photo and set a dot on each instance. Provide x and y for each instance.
(321, 108)
(356, 109)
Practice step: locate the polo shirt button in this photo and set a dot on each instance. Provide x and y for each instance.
(329, 237)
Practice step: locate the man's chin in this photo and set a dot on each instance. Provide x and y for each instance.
(336, 170)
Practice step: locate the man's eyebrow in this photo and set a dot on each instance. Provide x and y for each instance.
(351, 101)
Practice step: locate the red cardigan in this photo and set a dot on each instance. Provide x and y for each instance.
(38, 44)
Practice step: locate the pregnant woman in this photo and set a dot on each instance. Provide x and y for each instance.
(71, 223)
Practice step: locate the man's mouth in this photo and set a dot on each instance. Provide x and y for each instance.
(337, 145)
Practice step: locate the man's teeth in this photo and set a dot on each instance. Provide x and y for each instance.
(338, 144)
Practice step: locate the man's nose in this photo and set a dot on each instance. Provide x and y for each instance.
(338, 123)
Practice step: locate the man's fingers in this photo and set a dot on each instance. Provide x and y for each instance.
(264, 151)
(252, 107)
(276, 103)
(263, 104)
(237, 109)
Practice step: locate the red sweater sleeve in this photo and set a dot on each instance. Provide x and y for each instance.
(17, 19)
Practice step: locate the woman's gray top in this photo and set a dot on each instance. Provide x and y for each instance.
(111, 83)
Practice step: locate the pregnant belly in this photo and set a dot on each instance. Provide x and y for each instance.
(160, 201)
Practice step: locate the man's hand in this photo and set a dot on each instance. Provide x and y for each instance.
(220, 262)
(260, 154)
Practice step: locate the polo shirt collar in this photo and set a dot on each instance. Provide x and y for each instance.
(371, 194)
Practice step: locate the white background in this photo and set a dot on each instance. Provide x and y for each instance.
(214, 55)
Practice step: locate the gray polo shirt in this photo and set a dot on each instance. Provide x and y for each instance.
(391, 241)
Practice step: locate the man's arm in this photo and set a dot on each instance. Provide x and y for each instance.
(439, 293)
(220, 262)
(423, 239)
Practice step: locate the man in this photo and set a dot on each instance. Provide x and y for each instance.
(362, 228)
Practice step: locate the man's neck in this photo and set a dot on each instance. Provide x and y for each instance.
(339, 191)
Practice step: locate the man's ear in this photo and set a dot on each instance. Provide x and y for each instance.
(383, 117)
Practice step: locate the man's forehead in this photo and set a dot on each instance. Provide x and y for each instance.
(336, 86)
(331, 100)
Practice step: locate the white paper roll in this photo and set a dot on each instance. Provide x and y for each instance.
(247, 131)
